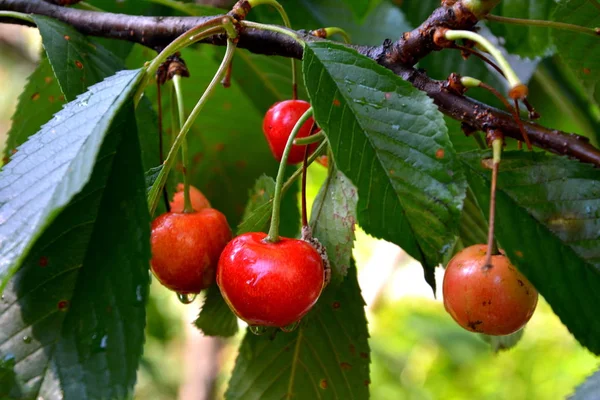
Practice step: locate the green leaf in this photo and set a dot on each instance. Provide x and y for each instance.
(77, 62)
(73, 316)
(580, 52)
(589, 389)
(383, 21)
(417, 11)
(215, 318)
(53, 166)
(333, 219)
(41, 99)
(151, 176)
(257, 213)
(473, 226)
(391, 141)
(525, 41)
(327, 357)
(548, 219)
(361, 8)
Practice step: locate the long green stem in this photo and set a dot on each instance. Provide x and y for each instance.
(335, 30)
(187, 203)
(272, 28)
(542, 23)
(197, 33)
(17, 15)
(168, 164)
(509, 73)
(314, 138)
(288, 24)
(492, 249)
(273, 236)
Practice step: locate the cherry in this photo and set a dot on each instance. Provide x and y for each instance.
(270, 284)
(493, 299)
(186, 248)
(278, 125)
(199, 201)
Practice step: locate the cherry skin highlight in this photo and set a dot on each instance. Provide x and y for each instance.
(186, 248)
(199, 201)
(270, 284)
(278, 125)
(495, 300)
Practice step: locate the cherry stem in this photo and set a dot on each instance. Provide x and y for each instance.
(168, 164)
(542, 23)
(197, 33)
(492, 249)
(273, 236)
(161, 157)
(303, 188)
(335, 30)
(187, 202)
(513, 80)
(288, 24)
(314, 138)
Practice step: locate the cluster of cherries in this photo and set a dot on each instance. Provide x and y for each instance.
(264, 282)
(275, 283)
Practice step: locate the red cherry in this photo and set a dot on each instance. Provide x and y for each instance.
(270, 284)
(186, 248)
(278, 125)
(199, 201)
(496, 300)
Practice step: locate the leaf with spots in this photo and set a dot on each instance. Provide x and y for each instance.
(77, 61)
(392, 142)
(53, 166)
(73, 316)
(327, 357)
(38, 102)
(580, 52)
(333, 219)
(548, 222)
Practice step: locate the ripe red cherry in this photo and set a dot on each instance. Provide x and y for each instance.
(496, 300)
(270, 284)
(186, 248)
(278, 125)
(199, 201)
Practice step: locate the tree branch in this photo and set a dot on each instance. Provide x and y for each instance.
(399, 56)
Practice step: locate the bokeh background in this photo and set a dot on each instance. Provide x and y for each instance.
(418, 352)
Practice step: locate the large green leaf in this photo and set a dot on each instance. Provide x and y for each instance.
(327, 357)
(40, 99)
(589, 389)
(391, 141)
(53, 166)
(580, 52)
(77, 62)
(548, 222)
(524, 41)
(73, 316)
(333, 220)
(361, 8)
(215, 318)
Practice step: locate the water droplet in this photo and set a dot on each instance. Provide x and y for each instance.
(291, 327)
(186, 298)
(138, 293)
(3, 298)
(258, 329)
(103, 342)
(395, 127)
(27, 339)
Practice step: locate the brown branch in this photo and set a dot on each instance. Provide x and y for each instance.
(399, 56)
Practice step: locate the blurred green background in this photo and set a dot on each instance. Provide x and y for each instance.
(418, 352)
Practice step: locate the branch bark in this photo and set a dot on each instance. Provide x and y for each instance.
(399, 56)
